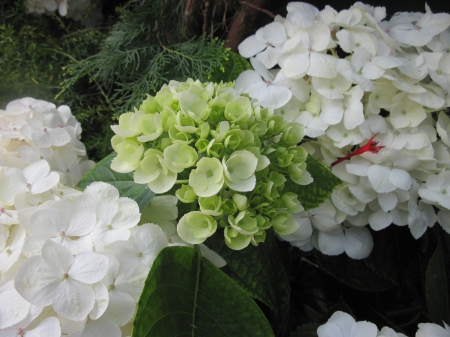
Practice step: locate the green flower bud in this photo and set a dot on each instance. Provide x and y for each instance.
(290, 201)
(228, 206)
(208, 179)
(185, 123)
(313, 106)
(298, 174)
(236, 240)
(275, 125)
(203, 130)
(277, 178)
(186, 194)
(151, 127)
(215, 149)
(233, 139)
(154, 172)
(239, 110)
(149, 106)
(284, 224)
(217, 106)
(196, 227)
(240, 201)
(191, 105)
(203, 92)
(271, 191)
(292, 133)
(179, 156)
(263, 222)
(258, 237)
(165, 98)
(244, 223)
(211, 205)
(228, 94)
(266, 113)
(178, 136)
(129, 154)
(168, 118)
(201, 145)
(259, 128)
(221, 131)
(128, 125)
(299, 153)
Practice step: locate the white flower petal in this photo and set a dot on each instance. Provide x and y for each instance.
(73, 300)
(36, 281)
(49, 327)
(121, 307)
(88, 267)
(379, 177)
(358, 244)
(251, 46)
(57, 256)
(15, 308)
(332, 244)
(101, 300)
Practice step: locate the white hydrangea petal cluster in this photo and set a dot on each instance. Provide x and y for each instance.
(74, 9)
(341, 324)
(66, 256)
(355, 80)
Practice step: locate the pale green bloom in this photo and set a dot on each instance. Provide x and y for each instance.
(292, 133)
(185, 123)
(298, 174)
(195, 227)
(151, 127)
(154, 172)
(215, 149)
(313, 106)
(186, 194)
(244, 223)
(236, 240)
(240, 201)
(208, 179)
(193, 106)
(129, 154)
(129, 125)
(178, 136)
(211, 205)
(240, 170)
(290, 201)
(284, 224)
(239, 110)
(217, 106)
(149, 106)
(179, 156)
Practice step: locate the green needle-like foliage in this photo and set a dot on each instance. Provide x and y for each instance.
(146, 49)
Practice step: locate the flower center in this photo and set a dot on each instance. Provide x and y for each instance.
(65, 275)
(9, 251)
(2, 210)
(209, 174)
(19, 331)
(417, 27)
(108, 227)
(444, 191)
(62, 233)
(139, 254)
(111, 287)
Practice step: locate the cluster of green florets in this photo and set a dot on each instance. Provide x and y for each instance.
(230, 156)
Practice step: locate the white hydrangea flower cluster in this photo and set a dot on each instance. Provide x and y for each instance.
(342, 324)
(73, 9)
(71, 263)
(356, 80)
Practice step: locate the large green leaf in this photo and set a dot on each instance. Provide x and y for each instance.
(260, 272)
(230, 71)
(186, 295)
(353, 273)
(124, 182)
(436, 290)
(314, 194)
(306, 330)
(395, 255)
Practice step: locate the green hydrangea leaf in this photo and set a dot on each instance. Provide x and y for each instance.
(124, 182)
(315, 193)
(436, 287)
(231, 68)
(306, 330)
(186, 295)
(260, 272)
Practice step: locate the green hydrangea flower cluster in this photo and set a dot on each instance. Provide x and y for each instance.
(230, 156)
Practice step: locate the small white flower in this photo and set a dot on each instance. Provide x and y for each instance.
(59, 279)
(433, 330)
(342, 324)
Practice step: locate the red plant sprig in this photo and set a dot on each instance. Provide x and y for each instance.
(370, 146)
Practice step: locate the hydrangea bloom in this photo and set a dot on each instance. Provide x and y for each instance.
(390, 81)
